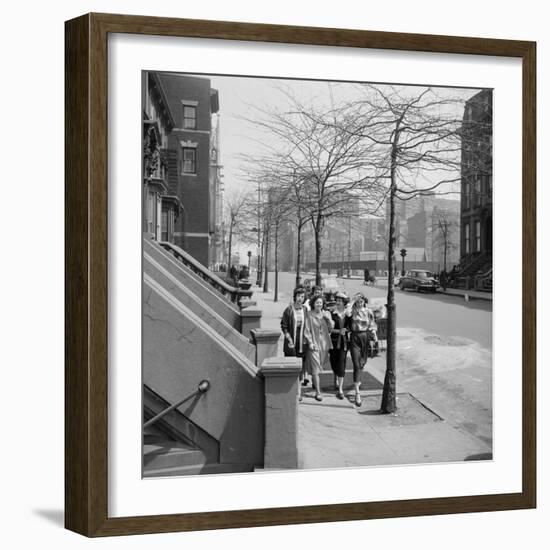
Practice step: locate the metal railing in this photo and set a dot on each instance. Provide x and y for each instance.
(233, 293)
(202, 388)
(484, 281)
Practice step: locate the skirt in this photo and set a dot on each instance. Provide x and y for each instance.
(338, 361)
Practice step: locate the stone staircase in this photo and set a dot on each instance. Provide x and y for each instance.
(191, 334)
(472, 266)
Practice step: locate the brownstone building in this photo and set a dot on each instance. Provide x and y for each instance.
(476, 207)
(181, 107)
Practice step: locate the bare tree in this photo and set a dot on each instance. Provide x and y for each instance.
(323, 164)
(445, 227)
(417, 137)
(237, 221)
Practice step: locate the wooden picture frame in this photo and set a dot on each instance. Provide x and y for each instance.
(86, 282)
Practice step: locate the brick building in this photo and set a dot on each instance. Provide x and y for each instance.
(476, 208)
(183, 106)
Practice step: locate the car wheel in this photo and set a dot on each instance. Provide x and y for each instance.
(401, 286)
(417, 288)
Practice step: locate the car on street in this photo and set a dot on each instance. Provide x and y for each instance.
(418, 279)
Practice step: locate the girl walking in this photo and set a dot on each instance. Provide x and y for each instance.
(293, 324)
(339, 337)
(360, 321)
(317, 338)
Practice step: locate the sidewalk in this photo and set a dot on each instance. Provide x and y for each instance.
(335, 433)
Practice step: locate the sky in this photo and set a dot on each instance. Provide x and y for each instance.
(240, 97)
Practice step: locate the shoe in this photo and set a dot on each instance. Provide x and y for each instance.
(305, 382)
(358, 399)
(300, 398)
(340, 395)
(318, 397)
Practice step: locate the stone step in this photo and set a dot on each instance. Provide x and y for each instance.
(161, 453)
(207, 468)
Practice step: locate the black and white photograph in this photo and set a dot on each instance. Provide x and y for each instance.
(317, 274)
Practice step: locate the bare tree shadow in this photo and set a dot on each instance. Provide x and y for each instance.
(57, 517)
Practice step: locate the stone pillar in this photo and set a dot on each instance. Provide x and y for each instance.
(250, 319)
(281, 411)
(266, 342)
(243, 304)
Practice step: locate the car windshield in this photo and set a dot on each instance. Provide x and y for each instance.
(423, 274)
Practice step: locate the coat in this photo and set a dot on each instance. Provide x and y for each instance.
(288, 326)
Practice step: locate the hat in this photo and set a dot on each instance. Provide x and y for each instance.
(342, 296)
(360, 296)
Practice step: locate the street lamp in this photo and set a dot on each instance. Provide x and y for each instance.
(403, 253)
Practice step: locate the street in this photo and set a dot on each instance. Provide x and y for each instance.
(439, 314)
(444, 353)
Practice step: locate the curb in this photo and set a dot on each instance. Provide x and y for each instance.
(467, 296)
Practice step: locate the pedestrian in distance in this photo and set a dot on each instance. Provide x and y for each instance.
(339, 337)
(366, 275)
(361, 319)
(233, 273)
(318, 326)
(293, 324)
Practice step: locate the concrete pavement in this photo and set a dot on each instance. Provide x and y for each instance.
(336, 433)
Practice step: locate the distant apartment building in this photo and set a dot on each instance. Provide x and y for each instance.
(181, 107)
(418, 229)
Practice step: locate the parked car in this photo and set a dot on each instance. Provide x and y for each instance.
(330, 287)
(419, 279)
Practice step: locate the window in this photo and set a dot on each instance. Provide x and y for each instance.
(190, 117)
(151, 212)
(477, 190)
(189, 164)
(467, 194)
(478, 236)
(467, 238)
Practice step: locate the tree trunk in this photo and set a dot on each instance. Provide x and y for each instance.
(260, 265)
(318, 250)
(230, 246)
(298, 255)
(349, 247)
(276, 292)
(445, 253)
(266, 250)
(389, 392)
